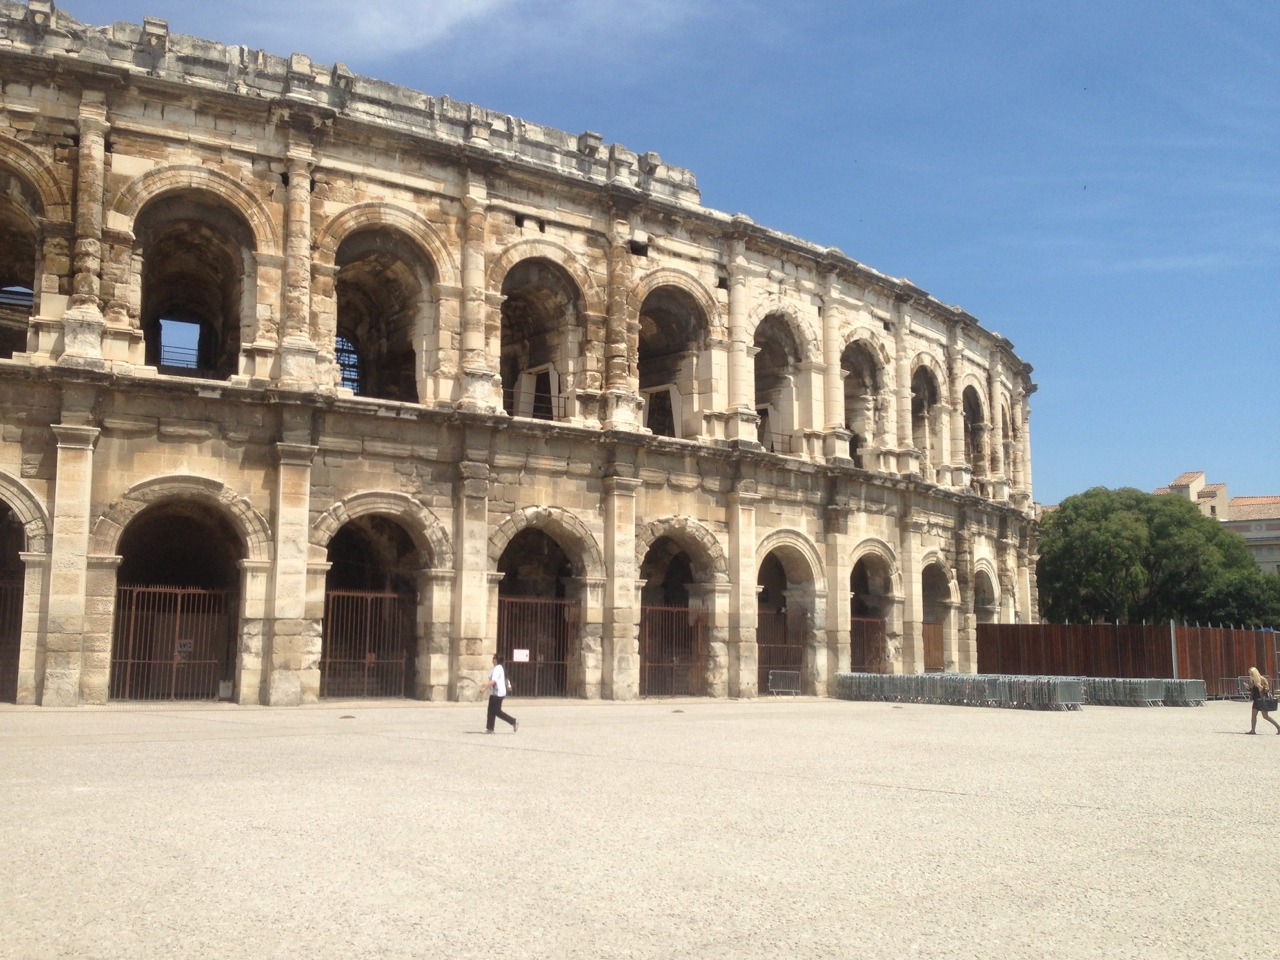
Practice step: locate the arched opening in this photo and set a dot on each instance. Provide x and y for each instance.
(12, 541)
(935, 590)
(777, 359)
(19, 261)
(870, 605)
(369, 642)
(673, 629)
(383, 290)
(975, 432)
(199, 284)
(539, 617)
(862, 402)
(782, 628)
(541, 338)
(986, 608)
(177, 599)
(672, 332)
(926, 431)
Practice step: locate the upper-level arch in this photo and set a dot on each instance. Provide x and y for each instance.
(31, 167)
(691, 286)
(562, 256)
(374, 214)
(807, 340)
(161, 181)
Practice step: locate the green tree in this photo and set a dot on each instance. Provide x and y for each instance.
(1128, 556)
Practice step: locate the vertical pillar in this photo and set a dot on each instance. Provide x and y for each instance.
(481, 384)
(31, 651)
(298, 353)
(620, 646)
(586, 666)
(910, 531)
(742, 424)
(834, 425)
(908, 455)
(435, 632)
(622, 336)
(474, 602)
(83, 322)
(958, 462)
(72, 499)
(294, 663)
(743, 654)
(999, 469)
(1024, 451)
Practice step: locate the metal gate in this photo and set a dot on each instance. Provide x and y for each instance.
(544, 630)
(867, 653)
(673, 652)
(367, 646)
(10, 638)
(934, 661)
(171, 643)
(780, 643)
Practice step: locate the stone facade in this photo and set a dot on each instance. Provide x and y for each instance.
(293, 331)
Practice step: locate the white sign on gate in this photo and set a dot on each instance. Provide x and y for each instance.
(185, 648)
(519, 656)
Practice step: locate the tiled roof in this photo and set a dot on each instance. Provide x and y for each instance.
(1254, 508)
(1187, 479)
(1160, 492)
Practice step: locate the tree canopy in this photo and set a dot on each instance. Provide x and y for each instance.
(1128, 556)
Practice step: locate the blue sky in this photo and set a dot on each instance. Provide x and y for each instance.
(1098, 182)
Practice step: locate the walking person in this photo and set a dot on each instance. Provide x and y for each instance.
(497, 687)
(1263, 701)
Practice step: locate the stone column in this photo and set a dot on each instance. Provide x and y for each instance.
(622, 337)
(999, 469)
(743, 654)
(298, 353)
(481, 384)
(31, 652)
(743, 422)
(960, 467)
(474, 636)
(435, 632)
(908, 456)
(835, 428)
(83, 322)
(68, 579)
(909, 533)
(586, 667)
(294, 661)
(620, 645)
(1025, 447)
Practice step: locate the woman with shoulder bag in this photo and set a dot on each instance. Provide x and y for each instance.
(1263, 701)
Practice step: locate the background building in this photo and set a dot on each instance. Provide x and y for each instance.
(313, 386)
(1257, 519)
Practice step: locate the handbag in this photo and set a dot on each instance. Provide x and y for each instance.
(1266, 704)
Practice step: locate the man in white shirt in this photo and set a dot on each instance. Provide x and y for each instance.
(497, 687)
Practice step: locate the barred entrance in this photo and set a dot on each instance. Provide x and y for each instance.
(934, 660)
(673, 652)
(172, 643)
(542, 629)
(867, 649)
(366, 649)
(780, 644)
(10, 638)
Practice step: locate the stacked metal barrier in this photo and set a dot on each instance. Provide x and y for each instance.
(1185, 693)
(1150, 692)
(981, 690)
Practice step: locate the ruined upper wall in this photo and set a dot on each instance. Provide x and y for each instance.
(150, 50)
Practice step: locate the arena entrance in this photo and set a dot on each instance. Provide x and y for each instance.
(12, 539)
(673, 635)
(780, 630)
(370, 612)
(936, 593)
(870, 601)
(538, 622)
(176, 606)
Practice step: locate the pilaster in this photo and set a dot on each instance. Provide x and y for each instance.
(743, 656)
(620, 644)
(83, 321)
(294, 660)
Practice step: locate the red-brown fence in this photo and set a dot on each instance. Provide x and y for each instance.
(1217, 655)
(780, 643)
(544, 630)
(367, 646)
(171, 643)
(868, 652)
(935, 660)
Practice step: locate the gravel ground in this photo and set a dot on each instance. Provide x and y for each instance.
(663, 829)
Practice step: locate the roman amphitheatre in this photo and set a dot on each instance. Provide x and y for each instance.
(314, 387)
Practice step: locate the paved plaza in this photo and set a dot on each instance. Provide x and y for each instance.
(667, 829)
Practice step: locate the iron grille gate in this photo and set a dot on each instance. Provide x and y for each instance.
(367, 649)
(673, 652)
(545, 628)
(10, 638)
(867, 653)
(934, 659)
(171, 643)
(780, 644)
